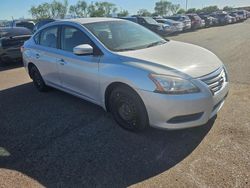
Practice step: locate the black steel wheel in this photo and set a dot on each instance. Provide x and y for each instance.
(128, 109)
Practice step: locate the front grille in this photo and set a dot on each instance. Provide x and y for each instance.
(220, 102)
(215, 80)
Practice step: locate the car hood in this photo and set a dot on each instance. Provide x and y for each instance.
(187, 58)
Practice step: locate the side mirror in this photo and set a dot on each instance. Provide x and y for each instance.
(83, 49)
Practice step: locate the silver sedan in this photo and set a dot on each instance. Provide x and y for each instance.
(142, 79)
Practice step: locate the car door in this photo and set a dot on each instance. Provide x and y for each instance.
(78, 73)
(45, 54)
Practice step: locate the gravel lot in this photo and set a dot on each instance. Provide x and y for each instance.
(56, 140)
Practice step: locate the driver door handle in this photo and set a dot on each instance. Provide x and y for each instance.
(62, 62)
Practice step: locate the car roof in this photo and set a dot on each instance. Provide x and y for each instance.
(166, 19)
(14, 31)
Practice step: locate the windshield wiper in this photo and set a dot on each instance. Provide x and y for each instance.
(155, 44)
(125, 49)
(142, 47)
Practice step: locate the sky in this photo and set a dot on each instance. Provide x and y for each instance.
(20, 8)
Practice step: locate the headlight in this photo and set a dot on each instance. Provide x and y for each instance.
(173, 85)
(159, 28)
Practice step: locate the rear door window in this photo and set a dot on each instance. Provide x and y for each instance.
(49, 36)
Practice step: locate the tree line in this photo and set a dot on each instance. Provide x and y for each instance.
(60, 9)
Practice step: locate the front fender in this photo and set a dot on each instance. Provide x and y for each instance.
(121, 73)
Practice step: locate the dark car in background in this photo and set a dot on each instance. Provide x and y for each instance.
(223, 17)
(181, 18)
(41, 23)
(196, 21)
(22, 23)
(11, 40)
(150, 23)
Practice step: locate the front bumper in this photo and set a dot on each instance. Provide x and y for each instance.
(191, 109)
(187, 26)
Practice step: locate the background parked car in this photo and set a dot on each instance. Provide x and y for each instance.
(208, 19)
(242, 14)
(233, 19)
(41, 23)
(175, 25)
(196, 21)
(150, 23)
(203, 23)
(11, 39)
(223, 18)
(181, 18)
(215, 20)
(236, 15)
(22, 23)
(248, 14)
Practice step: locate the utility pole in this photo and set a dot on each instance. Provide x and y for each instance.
(186, 5)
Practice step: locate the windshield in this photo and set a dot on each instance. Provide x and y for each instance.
(150, 20)
(175, 18)
(112, 35)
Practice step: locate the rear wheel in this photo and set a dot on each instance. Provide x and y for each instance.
(128, 109)
(4, 60)
(37, 79)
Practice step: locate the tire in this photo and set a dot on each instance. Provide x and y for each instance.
(3, 61)
(37, 79)
(128, 109)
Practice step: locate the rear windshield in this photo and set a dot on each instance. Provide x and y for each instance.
(11, 32)
(28, 25)
(221, 15)
(150, 20)
(196, 17)
(174, 18)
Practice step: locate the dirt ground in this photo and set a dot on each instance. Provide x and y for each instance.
(56, 140)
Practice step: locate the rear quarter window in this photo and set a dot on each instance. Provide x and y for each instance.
(36, 38)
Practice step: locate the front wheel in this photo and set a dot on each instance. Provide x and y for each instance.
(128, 109)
